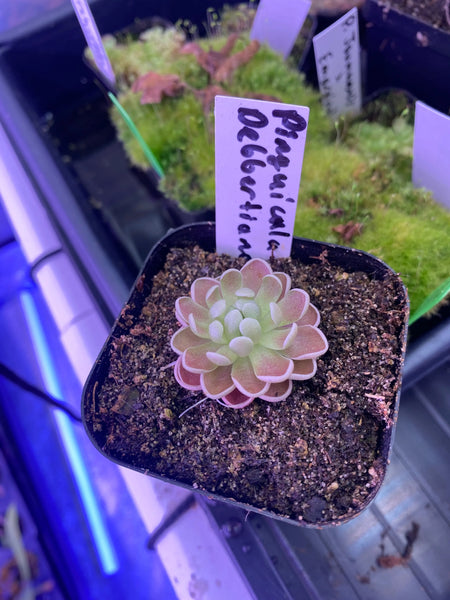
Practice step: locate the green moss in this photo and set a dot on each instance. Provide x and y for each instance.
(155, 50)
(417, 248)
(358, 169)
(369, 178)
(186, 152)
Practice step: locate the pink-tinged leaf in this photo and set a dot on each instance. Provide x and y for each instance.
(304, 369)
(270, 366)
(217, 383)
(200, 328)
(219, 359)
(309, 343)
(237, 399)
(185, 306)
(188, 380)
(293, 306)
(230, 283)
(196, 360)
(245, 379)
(213, 296)
(226, 353)
(278, 339)
(201, 287)
(269, 291)
(285, 281)
(253, 272)
(311, 317)
(183, 339)
(278, 391)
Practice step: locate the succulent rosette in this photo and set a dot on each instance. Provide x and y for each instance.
(246, 335)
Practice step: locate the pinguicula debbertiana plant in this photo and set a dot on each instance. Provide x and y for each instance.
(246, 335)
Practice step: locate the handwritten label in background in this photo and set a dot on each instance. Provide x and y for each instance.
(278, 23)
(259, 154)
(93, 40)
(338, 64)
(431, 152)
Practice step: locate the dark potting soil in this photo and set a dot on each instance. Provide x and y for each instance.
(434, 12)
(313, 457)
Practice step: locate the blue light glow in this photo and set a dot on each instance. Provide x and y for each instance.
(105, 550)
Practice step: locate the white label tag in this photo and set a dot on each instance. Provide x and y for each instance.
(259, 154)
(278, 23)
(93, 39)
(431, 152)
(338, 64)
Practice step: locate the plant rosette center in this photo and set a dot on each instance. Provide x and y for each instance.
(246, 335)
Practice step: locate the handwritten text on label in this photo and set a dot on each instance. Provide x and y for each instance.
(338, 65)
(259, 154)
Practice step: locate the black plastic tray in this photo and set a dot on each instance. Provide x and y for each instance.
(406, 53)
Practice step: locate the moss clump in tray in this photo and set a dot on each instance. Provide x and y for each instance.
(356, 185)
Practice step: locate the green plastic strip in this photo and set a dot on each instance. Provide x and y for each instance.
(434, 298)
(132, 127)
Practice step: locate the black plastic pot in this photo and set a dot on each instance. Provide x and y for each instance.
(406, 53)
(203, 234)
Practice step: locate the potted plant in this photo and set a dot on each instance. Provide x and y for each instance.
(315, 450)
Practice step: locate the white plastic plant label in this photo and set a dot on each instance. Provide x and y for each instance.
(338, 64)
(431, 152)
(259, 154)
(93, 39)
(278, 23)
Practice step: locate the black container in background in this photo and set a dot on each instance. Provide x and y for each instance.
(321, 21)
(406, 53)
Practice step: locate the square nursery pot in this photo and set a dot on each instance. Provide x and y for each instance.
(406, 52)
(317, 458)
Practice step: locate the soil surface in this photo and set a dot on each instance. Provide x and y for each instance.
(434, 12)
(315, 456)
